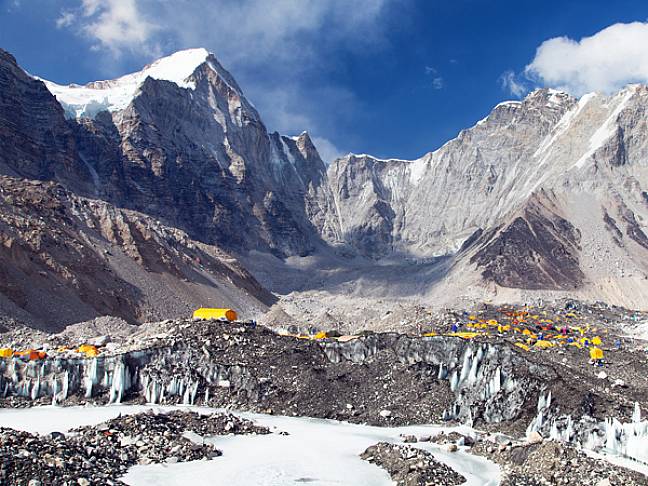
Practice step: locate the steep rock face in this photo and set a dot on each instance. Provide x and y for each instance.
(549, 140)
(538, 249)
(65, 259)
(35, 140)
(588, 154)
(430, 205)
(195, 153)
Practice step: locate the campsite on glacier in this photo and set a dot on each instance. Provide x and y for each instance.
(204, 279)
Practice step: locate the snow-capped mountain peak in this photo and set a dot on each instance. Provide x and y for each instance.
(113, 95)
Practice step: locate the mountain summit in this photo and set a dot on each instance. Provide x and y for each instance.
(114, 95)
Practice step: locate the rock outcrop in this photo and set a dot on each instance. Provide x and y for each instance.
(65, 259)
(188, 148)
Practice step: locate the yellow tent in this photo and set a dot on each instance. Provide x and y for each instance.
(596, 353)
(596, 341)
(464, 335)
(544, 344)
(89, 350)
(522, 346)
(207, 313)
(6, 352)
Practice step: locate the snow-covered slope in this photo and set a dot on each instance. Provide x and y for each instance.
(88, 100)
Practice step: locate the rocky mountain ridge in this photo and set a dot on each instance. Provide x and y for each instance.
(177, 142)
(577, 164)
(543, 197)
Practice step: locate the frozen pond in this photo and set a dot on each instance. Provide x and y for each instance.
(315, 452)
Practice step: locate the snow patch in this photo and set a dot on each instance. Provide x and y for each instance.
(114, 95)
(367, 156)
(417, 170)
(316, 451)
(606, 130)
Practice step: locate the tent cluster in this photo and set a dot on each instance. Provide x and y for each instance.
(531, 331)
(26, 354)
(87, 350)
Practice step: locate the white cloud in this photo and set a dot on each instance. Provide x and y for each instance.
(66, 19)
(327, 150)
(513, 84)
(113, 25)
(606, 61)
(13, 6)
(437, 81)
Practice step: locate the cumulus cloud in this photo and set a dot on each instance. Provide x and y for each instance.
(281, 52)
(112, 25)
(605, 61)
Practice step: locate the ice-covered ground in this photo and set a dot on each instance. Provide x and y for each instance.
(316, 452)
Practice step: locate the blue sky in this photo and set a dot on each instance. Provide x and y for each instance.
(386, 77)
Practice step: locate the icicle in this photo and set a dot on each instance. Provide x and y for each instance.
(496, 382)
(541, 403)
(569, 430)
(66, 385)
(612, 429)
(443, 372)
(469, 420)
(536, 424)
(91, 377)
(206, 395)
(636, 414)
(472, 376)
(454, 381)
(554, 433)
(480, 354)
(35, 389)
(54, 390)
(465, 368)
(119, 381)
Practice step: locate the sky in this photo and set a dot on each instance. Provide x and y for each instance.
(392, 78)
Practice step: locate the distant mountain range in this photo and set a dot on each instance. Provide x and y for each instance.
(152, 185)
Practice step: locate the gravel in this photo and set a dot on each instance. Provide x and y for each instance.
(409, 466)
(100, 454)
